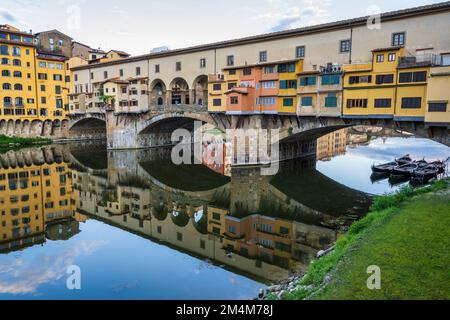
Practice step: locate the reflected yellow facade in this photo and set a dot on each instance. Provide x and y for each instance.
(31, 198)
(332, 144)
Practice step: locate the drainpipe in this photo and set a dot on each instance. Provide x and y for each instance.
(351, 46)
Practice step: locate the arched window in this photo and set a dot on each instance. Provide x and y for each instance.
(6, 73)
(18, 87)
(4, 50)
(17, 74)
(16, 51)
(160, 101)
(5, 61)
(7, 101)
(17, 62)
(6, 86)
(19, 102)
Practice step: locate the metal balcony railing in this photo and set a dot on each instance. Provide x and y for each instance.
(422, 60)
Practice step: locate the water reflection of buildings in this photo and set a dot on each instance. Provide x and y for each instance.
(245, 224)
(332, 145)
(263, 227)
(35, 198)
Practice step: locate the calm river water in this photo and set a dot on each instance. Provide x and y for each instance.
(139, 227)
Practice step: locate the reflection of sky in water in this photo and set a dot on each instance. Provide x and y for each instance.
(116, 265)
(354, 168)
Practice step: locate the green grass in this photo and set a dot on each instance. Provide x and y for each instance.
(8, 143)
(406, 234)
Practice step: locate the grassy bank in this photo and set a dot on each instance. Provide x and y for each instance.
(8, 143)
(406, 234)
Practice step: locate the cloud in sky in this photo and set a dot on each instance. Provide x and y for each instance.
(7, 16)
(307, 12)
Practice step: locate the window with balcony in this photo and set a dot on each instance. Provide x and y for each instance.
(398, 39)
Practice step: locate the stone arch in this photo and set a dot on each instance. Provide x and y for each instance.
(3, 126)
(200, 90)
(26, 128)
(178, 92)
(88, 128)
(36, 128)
(10, 127)
(158, 92)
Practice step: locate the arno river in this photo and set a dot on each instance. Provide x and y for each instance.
(138, 226)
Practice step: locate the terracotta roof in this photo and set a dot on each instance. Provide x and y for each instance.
(53, 57)
(394, 15)
(242, 90)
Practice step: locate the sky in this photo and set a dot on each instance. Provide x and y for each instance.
(137, 26)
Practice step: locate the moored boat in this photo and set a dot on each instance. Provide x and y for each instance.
(426, 173)
(405, 170)
(404, 160)
(384, 168)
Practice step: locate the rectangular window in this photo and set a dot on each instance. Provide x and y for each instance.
(217, 87)
(357, 103)
(383, 103)
(286, 68)
(288, 84)
(232, 85)
(105, 74)
(384, 78)
(300, 51)
(234, 100)
(269, 101)
(247, 71)
(331, 101)
(392, 57)
(398, 39)
(42, 76)
(288, 102)
(437, 107)
(308, 81)
(360, 79)
(157, 69)
(230, 60)
(344, 46)
(405, 77)
(380, 58)
(121, 72)
(307, 101)
(331, 79)
(178, 66)
(263, 56)
(420, 76)
(203, 63)
(57, 89)
(269, 84)
(138, 71)
(217, 102)
(269, 70)
(411, 103)
(232, 72)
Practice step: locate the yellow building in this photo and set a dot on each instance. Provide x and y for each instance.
(392, 86)
(438, 97)
(17, 79)
(30, 199)
(34, 86)
(53, 83)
